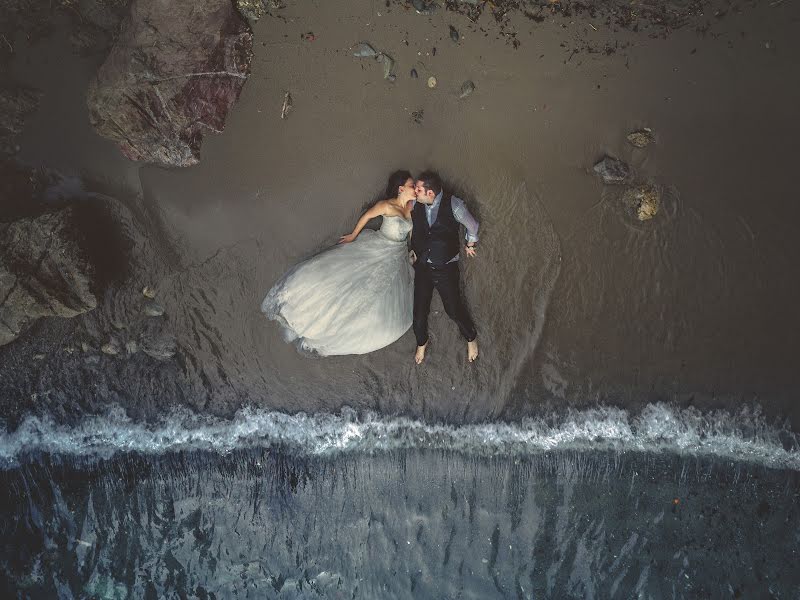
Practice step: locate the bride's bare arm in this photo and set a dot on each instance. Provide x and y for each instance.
(376, 211)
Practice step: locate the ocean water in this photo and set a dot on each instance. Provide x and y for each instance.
(668, 503)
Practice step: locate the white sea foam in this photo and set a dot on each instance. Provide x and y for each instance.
(745, 436)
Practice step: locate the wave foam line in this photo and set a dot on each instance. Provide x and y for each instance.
(658, 428)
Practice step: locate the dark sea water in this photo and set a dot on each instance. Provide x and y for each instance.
(598, 504)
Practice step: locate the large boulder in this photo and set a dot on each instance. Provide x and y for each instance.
(174, 72)
(43, 273)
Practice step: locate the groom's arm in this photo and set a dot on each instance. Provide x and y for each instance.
(470, 223)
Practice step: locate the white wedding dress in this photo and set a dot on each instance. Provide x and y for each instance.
(350, 299)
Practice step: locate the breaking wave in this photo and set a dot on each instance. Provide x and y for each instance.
(745, 436)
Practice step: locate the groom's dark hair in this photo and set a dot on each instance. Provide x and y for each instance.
(431, 181)
(396, 179)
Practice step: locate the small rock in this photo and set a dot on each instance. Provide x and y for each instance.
(153, 309)
(424, 7)
(85, 347)
(454, 35)
(38, 356)
(388, 64)
(69, 350)
(148, 292)
(132, 347)
(466, 89)
(643, 200)
(364, 50)
(111, 348)
(641, 138)
(414, 74)
(613, 171)
(417, 116)
(392, 77)
(431, 82)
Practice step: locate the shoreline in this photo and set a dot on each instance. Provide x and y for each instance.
(694, 306)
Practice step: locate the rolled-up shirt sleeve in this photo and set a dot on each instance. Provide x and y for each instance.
(463, 216)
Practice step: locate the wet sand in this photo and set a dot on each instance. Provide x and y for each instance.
(575, 302)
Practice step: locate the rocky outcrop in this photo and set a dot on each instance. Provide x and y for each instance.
(173, 74)
(43, 273)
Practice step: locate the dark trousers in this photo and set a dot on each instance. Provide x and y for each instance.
(445, 281)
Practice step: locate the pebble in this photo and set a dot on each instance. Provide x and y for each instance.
(454, 35)
(466, 89)
(414, 74)
(431, 82)
(148, 292)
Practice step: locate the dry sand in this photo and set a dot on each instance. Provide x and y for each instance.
(575, 302)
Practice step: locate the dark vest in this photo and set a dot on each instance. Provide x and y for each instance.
(438, 242)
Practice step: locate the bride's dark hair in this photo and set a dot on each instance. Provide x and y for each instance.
(396, 180)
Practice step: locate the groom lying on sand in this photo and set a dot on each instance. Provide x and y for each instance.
(435, 251)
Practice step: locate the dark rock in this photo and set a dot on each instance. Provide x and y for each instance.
(613, 171)
(175, 71)
(16, 104)
(454, 35)
(43, 273)
(414, 74)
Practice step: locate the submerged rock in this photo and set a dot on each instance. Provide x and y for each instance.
(43, 273)
(613, 171)
(160, 346)
(641, 138)
(174, 73)
(466, 89)
(153, 309)
(643, 200)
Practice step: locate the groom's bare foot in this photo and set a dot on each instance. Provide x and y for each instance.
(420, 355)
(472, 350)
